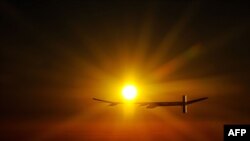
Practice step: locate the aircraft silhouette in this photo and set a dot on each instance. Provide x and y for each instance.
(182, 103)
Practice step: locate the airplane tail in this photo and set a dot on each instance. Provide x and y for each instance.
(185, 102)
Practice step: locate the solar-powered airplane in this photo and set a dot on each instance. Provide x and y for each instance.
(184, 103)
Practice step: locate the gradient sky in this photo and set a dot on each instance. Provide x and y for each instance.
(56, 56)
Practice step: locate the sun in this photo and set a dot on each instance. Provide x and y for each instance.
(129, 92)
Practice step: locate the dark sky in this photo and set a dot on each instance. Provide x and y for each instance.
(57, 55)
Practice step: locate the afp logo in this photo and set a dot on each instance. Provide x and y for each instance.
(236, 132)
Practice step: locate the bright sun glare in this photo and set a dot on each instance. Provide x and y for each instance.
(129, 92)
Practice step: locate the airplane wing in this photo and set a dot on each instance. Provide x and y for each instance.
(197, 100)
(111, 103)
(156, 104)
(182, 103)
(177, 103)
